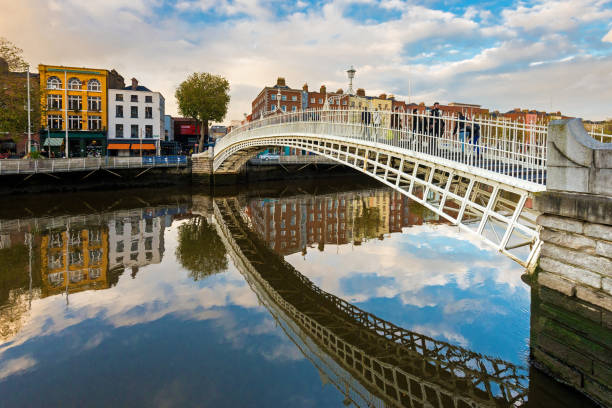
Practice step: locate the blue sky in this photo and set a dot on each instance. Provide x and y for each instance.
(549, 55)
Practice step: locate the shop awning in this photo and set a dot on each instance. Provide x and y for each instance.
(53, 142)
(118, 146)
(143, 146)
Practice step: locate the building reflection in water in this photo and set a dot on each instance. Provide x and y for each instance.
(294, 224)
(43, 257)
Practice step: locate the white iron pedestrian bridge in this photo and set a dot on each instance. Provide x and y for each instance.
(477, 173)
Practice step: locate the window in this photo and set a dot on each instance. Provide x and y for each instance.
(134, 112)
(294, 98)
(54, 122)
(148, 244)
(134, 98)
(74, 84)
(149, 225)
(284, 97)
(134, 131)
(148, 99)
(273, 108)
(54, 102)
(320, 100)
(312, 100)
(273, 97)
(148, 112)
(118, 130)
(119, 111)
(134, 246)
(119, 97)
(93, 85)
(344, 102)
(74, 122)
(75, 102)
(94, 122)
(54, 83)
(118, 223)
(284, 108)
(94, 103)
(149, 131)
(293, 108)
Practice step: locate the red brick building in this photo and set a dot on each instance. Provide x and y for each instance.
(316, 100)
(266, 103)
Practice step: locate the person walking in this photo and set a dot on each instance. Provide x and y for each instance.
(377, 121)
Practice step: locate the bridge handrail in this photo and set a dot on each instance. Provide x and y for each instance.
(502, 146)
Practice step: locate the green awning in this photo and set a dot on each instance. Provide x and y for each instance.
(53, 142)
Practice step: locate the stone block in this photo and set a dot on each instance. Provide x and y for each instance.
(603, 158)
(564, 353)
(602, 372)
(571, 140)
(557, 368)
(598, 231)
(606, 285)
(570, 272)
(598, 391)
(570, 304)
(600, 181)
(606, 319)
(594, 297)
(604, 248)
(582, 260)
(560, 223)
(567, 179)
(557, 283)
(568, 240)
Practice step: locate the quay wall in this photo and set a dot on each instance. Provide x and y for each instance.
(572, 326)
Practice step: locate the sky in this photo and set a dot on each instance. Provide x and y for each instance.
(548, 55)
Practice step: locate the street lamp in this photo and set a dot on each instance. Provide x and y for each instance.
(351, 74)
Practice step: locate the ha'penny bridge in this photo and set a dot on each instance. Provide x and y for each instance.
(373, 362)
(541, 195)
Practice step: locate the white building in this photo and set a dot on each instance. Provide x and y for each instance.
(135, 120)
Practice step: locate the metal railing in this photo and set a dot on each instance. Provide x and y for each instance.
(292, 159)
(21, 166)
(512, 148)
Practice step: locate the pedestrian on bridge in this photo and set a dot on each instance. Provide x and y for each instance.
(366, 120)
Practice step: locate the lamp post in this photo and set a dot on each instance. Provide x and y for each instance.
(29, 124)
(351, 74)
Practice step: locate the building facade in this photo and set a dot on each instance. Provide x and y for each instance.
(136, 121)
(265, 103)
(74, 104)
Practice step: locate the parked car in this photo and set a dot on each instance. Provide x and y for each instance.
(269, 156)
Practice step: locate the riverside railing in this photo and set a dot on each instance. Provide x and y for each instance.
(513, 148)
(21, 166)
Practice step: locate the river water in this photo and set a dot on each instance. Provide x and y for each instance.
(279, 295)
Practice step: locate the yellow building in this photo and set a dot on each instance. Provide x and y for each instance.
(75, 98)
(76, 260)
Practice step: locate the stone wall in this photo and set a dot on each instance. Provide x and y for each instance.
(202, 168)
(572, 328)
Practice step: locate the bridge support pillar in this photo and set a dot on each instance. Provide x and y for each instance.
(202, 168)
(572, 310)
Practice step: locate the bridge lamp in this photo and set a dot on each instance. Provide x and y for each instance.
(351, 74)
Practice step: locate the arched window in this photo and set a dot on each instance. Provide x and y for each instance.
(93, 85)
(74, 83)
(54, 83)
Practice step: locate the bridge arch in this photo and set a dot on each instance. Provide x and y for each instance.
(492, 205)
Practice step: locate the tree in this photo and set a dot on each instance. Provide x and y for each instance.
(13, 93)
(200, 249)
(204, 97)
(12, 55)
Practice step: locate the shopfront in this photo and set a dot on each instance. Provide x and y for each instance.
(80, 144)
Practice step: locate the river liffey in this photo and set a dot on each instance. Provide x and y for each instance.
(278, 296)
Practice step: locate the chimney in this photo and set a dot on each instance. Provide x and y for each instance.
(305, 87)
(3, 66)
(134, 84)
(280, 81)
(361, 92)
(383, 96)
(323, 89)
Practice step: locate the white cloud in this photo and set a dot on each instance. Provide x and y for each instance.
(16, 366)
(608, 37)
(316, 45)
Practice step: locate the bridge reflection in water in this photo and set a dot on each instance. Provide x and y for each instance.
(372, 361)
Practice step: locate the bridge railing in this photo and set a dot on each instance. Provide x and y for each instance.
(21, 166)
(508, 147)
